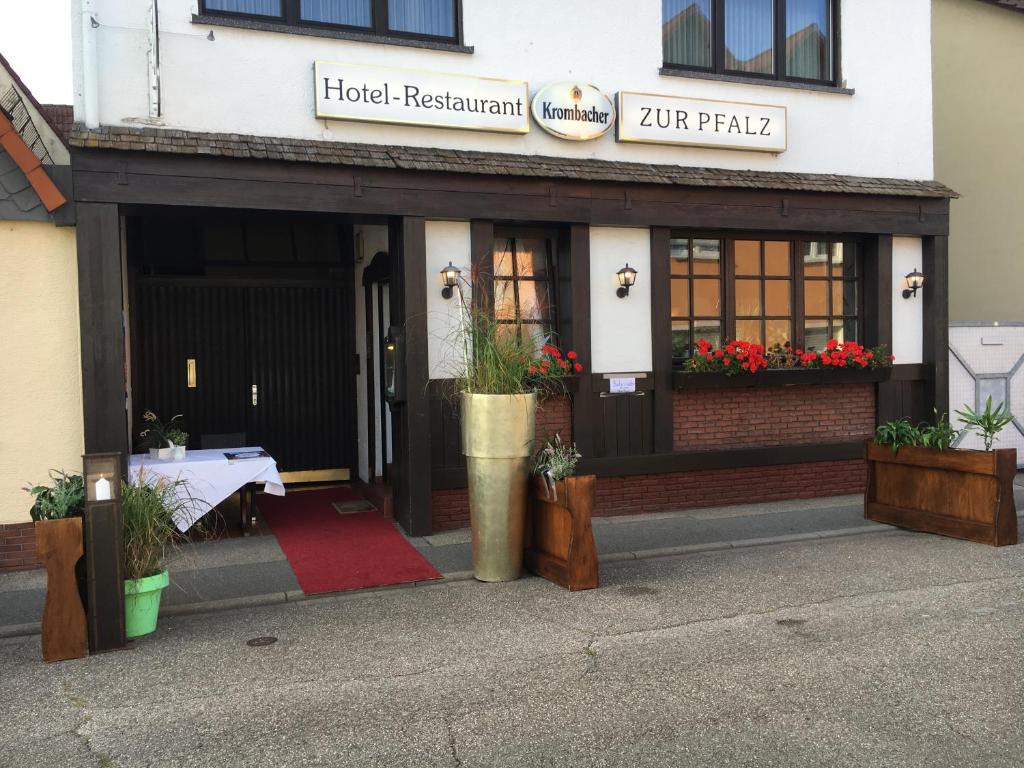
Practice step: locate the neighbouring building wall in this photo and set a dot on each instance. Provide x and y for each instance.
(40, 361)
(256, 82)
(979, 120)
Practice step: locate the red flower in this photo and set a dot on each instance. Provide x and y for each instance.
(719, 353)
(832, 344)
(533, 370)
(564, 364)
(571, 354)
(709, 357)
(578, 367)
(891, 358)
(727, 361)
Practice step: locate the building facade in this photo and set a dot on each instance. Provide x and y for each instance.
(267, 190)
(41, 406)
(977, 54)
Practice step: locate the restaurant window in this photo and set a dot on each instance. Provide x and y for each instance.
(422, 19)
(800, 292)
(777, 39)
(524, 286)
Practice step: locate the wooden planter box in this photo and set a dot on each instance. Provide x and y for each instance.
(778, 377)
(559, 536)
(963, 494)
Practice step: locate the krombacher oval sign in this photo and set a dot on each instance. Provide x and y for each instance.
(574, 111)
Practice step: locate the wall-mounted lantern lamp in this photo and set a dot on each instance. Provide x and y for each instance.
(450, 276)
(913, 281)
(627, 279)
(104, 560)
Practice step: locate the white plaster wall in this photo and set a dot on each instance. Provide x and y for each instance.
(907, 314)
(40, 360)
(620, 330)
(261, 82)
(446, 241)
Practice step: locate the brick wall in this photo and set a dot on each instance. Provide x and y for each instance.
(672, 491)
(734, 418)
(554, 416)
(18, 547)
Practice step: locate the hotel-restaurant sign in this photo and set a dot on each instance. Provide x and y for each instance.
(568, 110)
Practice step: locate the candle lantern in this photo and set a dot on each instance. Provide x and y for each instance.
(104, 558)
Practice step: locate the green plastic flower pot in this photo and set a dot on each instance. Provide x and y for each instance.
(142, 603)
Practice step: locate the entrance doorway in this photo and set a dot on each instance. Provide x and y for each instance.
(245, 324)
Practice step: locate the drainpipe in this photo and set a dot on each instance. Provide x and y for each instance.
(153, 58)
(90, 69)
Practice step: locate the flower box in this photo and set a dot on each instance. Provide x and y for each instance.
(778, 377)
(958, 493)
(559, 536)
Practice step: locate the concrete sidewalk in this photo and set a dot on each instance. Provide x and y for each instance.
(231, 573)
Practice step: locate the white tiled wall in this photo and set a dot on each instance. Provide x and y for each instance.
(979, 351)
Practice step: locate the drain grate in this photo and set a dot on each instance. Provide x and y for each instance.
(259, 642)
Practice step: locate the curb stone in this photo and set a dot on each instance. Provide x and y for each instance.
(294, 596)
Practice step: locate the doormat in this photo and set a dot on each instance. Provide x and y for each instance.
(330, 552)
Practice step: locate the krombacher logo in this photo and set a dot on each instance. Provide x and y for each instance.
(592, 115)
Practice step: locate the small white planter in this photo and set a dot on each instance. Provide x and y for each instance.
(164, 454)
(178, 453)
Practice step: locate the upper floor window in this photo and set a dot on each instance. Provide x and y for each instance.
(778, 39)
(429, 19)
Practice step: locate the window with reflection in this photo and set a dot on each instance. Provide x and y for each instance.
(765, 291)
(418, 19)
(524, 286)
(777, 39)
(696, 293)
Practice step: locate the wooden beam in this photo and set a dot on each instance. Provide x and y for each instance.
(936, 322)
(579, 270)
(408, 299)
(481, 237)
(102, 330)
(661, 337)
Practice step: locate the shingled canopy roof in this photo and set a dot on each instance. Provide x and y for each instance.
(487, 163)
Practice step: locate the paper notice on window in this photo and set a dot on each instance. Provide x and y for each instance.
(621, 386)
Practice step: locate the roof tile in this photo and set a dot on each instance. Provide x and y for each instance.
(491, 163)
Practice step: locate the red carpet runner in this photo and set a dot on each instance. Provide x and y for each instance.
(333, 552)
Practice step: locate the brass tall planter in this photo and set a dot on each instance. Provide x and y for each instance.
(497, 439)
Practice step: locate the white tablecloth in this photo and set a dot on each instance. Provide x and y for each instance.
(211, 478)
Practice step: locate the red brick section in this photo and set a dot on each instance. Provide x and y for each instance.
(554, 417)
(711, 419)
(18, 547)
(740, 418)
(639, 494)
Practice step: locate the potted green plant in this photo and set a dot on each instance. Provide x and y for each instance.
(164, 440)
(918, 480)
(502, 374)
(57, 517)
(559, 535)
(148, 507)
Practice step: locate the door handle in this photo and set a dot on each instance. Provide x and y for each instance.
(255, 395)
(190, 373)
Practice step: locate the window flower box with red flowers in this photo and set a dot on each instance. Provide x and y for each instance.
(743, 364)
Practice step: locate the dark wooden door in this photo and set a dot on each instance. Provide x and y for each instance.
(174, 322)
(292, 342)
(302, 366)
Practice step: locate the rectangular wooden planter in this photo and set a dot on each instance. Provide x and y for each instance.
(780, 377)
(963, 494)
(559, 535)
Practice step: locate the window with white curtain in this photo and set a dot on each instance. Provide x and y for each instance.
(419, 19)
(777, 39)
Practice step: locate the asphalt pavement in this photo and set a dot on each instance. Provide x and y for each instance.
(884, 649)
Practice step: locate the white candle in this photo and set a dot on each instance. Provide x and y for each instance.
(103, 489)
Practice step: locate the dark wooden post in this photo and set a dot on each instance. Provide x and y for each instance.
(103, 395)
(877, 266)
(935, 265)
(583, 404)
(661, 337)
(407, 242)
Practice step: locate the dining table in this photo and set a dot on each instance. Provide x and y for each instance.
(210, 476)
